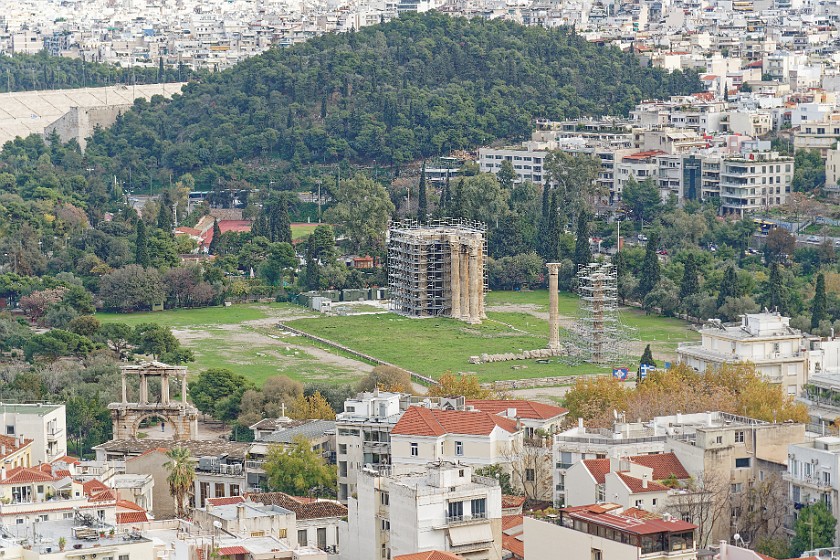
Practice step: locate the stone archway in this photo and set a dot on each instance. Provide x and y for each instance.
(180, 416)
(171, 431)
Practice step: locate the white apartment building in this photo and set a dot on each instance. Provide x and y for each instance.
(820, 135)
(756, 182)
(814, 473)
(440, 506)
(45, 424)
(527, 160)
(469, 436)
(780, 353)
(363, 436)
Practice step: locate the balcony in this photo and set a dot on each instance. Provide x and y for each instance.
(455, 520)
(55, 434)
(808, 482)
(255, 465)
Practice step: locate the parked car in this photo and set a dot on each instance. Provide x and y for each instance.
(642, 237)
(813, 239)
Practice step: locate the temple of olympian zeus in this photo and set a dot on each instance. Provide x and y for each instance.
(181, 416)
(436, 269)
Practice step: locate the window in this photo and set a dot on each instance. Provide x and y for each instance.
(342, 449)
(385, 524)
(19, 521)
(234, 490)
(459, 448)
(530, 475)
(739, 437)
(455, 511)
(719, 439)
(414, 450)
(220, 490)
(653, 501)
(442, 448)
(460, 473)
(123, 556)
(385, 498)
(321, 537)
(10, 430)
(303, 540)
(742, 463)
(736, 488)
(281, 533)
(596, 554)
(639, 504)
(479, 508)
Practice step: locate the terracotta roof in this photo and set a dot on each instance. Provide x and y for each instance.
(187, 231)
(225, 501)
(512, 501)
(644, 155)
(61, 473)
(524, 409)
(429, 555)
(148, 451)
(636, 485)
(420, 421)
(232, 550)
(12, 444)
(634, 525)
(511, 522)
(132, 517)
(104, 496)
(303, 509)
(67, 459)
(21, 475)
(129, 505)
(93, 487)
(514, 545)
(639, 513)
(663, 465)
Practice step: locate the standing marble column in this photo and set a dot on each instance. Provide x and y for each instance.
(476, 284)
(553, 306)
(455, 278)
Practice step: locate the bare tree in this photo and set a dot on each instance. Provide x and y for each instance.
(531, 467)
(704, 501)
(761, 508)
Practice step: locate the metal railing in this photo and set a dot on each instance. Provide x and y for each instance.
(462, 519)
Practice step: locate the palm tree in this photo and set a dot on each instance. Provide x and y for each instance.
(181, 477)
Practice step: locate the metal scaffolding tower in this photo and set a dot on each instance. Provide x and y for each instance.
(598, 336)
(437, 268)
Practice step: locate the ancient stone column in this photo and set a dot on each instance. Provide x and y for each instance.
(481, 313)
(184, 387)
(475, 285)
(465, 285)
(144, 389)
(553, 307)
(124, 389)
(455, 277)
(164, 388)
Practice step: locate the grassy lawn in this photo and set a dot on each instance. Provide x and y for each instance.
(434, 345)
(175, 318)
(817, 229)
(299, 231)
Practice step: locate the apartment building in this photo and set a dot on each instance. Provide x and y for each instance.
(316, 522)
(527, 160)
(779, 352)
(638, 166)
(439, 506)
(820, 135)
(813, 474)
(735, 450)
(363, 436)
(43, 423)
(755, 182)
(473, 437)
(241, 516)
(607, 531)
(634, 481)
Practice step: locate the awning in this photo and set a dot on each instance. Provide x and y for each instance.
(469, 534)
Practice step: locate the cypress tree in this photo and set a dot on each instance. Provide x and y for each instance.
(582, 253)
(141, 245)
(165, 220)
(217, 238)
(690, 284)
(311, 274)
(457, 205)
(280, 227)
(553, 237)
(545, 225)
(422, 204)
(647, 358)
(819, 307)
(160, 70)
(777, 294)
(728, 286)
(260, 227)
(650, 266)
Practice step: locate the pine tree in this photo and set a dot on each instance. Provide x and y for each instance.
(217, 238)
(690, 284)
(650, 267)
(422, 204)
(819, 307)
(776, 292)
(260, 227)
(728, 286)
(312, 274)
(457, 205)
(647, 357)
(141, 245)
(583, 255)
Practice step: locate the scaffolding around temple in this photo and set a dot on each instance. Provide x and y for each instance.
(597, 336)
(437, 268)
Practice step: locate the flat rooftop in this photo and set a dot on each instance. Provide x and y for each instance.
(33, 408)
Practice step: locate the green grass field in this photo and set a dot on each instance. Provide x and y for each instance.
(175, 318)
(432, 346)
(299, 231)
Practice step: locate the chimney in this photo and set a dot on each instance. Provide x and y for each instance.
(2, 450)
(20, 440)
(3, 472)
(240, 512)
(724, 550)
(580, 424)
(644, 482)
(208, 506)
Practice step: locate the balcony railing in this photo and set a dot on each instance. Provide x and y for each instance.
(465, 519)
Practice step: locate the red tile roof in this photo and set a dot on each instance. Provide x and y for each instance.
(225, 501)
(129, 505)
(420, 421)
(514, 545)
(511, 522)
(633, 525)
(429, 555)
(637, 486)
(67, 459)
(93, 487)
(644, 155)
(512, 501)
(303, 509)
(12, 444)
(663, 465)
(103, 496)
(524, 409)
(132, 517)
(232, 550)
(22, 475)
